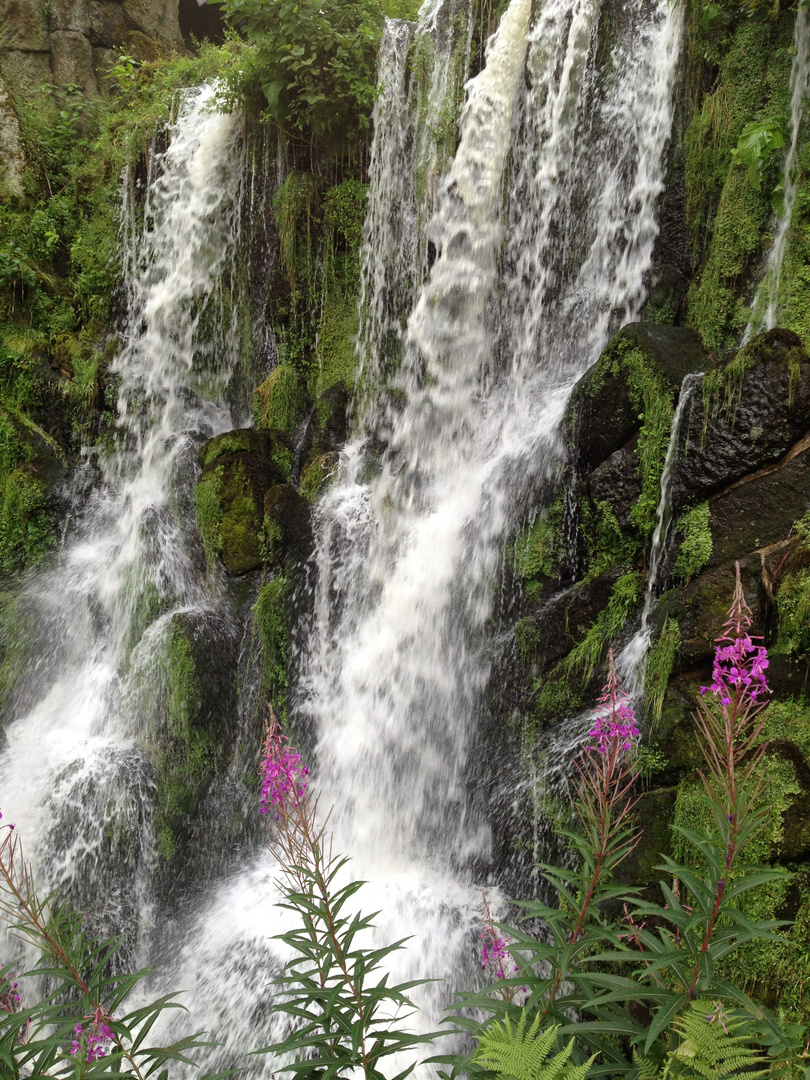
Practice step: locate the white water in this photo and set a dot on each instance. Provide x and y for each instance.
(75, 775)
(397, 659)
(765, 308)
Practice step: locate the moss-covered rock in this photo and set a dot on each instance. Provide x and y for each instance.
(191, 738)
(239, 468)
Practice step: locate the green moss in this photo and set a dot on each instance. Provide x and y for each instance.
(26, 520)
(316, 474)
(793, 606)
(695, 549)
(280, 401)
(584, 658)
(335, 351)
(271, 612)
(726, 216)
(189, 755)
(16, 625)
(539, 548)
(659, 667)
(789, 719)
(607, 544)
(209, 511)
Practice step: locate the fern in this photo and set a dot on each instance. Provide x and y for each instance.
(515, 1053)
(712, 1046)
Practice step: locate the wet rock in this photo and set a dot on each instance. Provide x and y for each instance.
(265, 444)
(759, 510)
(617, 480)
(754, 418)
(107, 25)
(287, 526)
(604, 413)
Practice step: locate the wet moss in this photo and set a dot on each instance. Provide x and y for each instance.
(659, 667)
(695, 548)
(272, 616)
(280, 401)
(27, 526)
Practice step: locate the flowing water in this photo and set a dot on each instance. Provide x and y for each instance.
(765, 308)
(77, 755)
(543, 230)
(630, 662)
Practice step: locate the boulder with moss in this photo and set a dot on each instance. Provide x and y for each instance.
(238, 468)
(287, 527)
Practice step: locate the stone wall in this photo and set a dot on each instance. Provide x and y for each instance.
(75, 41)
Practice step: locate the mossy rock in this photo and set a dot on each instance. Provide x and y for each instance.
(193, 736)
(230, 508)
(755, 409)
(270, 444)
(287, 526)
(604, 410)
(617, 481)
(281, 400)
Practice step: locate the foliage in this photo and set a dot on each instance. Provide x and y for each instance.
(333, 987)
(695, 548)
(514, 1052)
(79, 1027)
(659, 667)
(272, 621)
(539, 548)
(312, 64)
(584, 657)
(756, 144)
(709, 1047)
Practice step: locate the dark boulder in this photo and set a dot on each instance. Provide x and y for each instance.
(287, 526)
(759, 409)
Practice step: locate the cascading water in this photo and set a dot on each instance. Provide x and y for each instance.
(74, 775)
(569, 151)
(765, 307)
(630, 661)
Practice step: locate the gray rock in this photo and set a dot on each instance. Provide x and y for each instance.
(155, 18)
(108, 24)
(72, 60)
(617, 480)
(12, 158)
(25, 72)
(23, 25)
(71, 15)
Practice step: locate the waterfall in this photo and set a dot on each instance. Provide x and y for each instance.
(543, 227)
(765, 307)
(75, 775)
(630, 661)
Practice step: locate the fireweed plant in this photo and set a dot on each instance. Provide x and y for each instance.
(347, 1020)
(78, 1026)
(635, 987)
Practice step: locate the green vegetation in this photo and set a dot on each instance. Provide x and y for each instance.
(271, 612)
(280, 400)
(188, 754)
(695, 548)
(584, 658)
(538, 549)
(659, 667)
(729, 143)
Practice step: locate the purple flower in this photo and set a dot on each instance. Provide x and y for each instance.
(615, 723)
(739, 665)
(94, 1043)
(281, 772)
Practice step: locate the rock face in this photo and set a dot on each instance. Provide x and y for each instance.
(740, 493)
(248, 515)
(11, 152)
(58, 43)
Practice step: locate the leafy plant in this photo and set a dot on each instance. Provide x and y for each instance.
(515, 1053)
(347, 1016)
(79, 1027)
(756, 144)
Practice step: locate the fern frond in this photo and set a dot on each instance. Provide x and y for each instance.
(645, 1069)
(515, 1053)
(714, 1045)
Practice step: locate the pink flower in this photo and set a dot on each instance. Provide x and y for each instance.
(615, 723)
(739, 665)
(281, 772)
